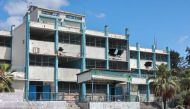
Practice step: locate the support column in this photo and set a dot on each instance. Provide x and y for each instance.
(12, 27)
(154, 58)
(92, 90)
(27, 55)
(138, 59)
(108, 92)
(168, 58)
(83, 62)
(148, 90)
(128, 49)
(56, 59)
(107, 46)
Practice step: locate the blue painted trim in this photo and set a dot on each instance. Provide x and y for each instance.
(83, 60)
(108, 92)
(49, 16)
(106, 46)
(27, 55)
(148, 90)
(154, 58)
(73, 20)
(56, 58)
(128, 49)
(138, 59)
(168, 58)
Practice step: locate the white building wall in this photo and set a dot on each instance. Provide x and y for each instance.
(18, 45)
(68, 74)
(39, 73)
(70, 50)
(95, 52)
(5, 33)
(45, 48)
(5, 53)
(41, 25)
(133, 63)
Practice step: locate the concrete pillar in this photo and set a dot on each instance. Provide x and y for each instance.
(27, 61)
(83, 60)
(154, 58)
(148, 91)
(92, 90)
(108, 92)
(106, 46)
(138, 59)
(56, 58)
(168, 58)
(128, 50)
(12, 27)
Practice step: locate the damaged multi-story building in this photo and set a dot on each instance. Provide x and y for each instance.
(55, 57)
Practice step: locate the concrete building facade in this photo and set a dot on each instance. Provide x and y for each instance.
(55, 56)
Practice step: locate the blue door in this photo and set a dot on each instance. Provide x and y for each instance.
(46, 92)
(32, 93)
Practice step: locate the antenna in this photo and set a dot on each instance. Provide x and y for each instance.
(155, 42)
(28, 3)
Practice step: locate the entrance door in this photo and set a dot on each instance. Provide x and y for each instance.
(46, 92)
(32, 93)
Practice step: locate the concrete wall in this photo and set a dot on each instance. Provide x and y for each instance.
(95, 52)
(18, 45)
(70, 50)
(34, 105)
(5, 33)
(66, 74)
(159, 63)
(5, 53)
(45, 48)
(133, 63)
(38, 73)
(18, 85)
(123, 57)
(114, 105)
(34, 15)
(41, 25)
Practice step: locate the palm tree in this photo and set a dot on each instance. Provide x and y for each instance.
(5, 79)
(185, 80)
(164, 84)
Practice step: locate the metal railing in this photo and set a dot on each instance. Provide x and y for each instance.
(60, 96)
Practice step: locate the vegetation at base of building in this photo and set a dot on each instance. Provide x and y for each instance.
(180, 74)
(5, 79)
(165, 85)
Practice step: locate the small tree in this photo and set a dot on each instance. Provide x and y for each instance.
(164, 84)
(5, 79)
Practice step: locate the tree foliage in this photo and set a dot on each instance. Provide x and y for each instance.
(5, 79)
(165, 85)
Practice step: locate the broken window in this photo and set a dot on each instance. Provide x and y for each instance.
(95, 41)
(92, 63)
(5, 41)
(115, 52)
(133, 54)
(69, 38)
(146, 56)
(118, 65)
(5, 62)
(117, 43)
(161, 57)
(41, 60)
(67, 62)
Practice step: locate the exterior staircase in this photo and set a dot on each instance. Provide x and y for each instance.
(72, 105)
